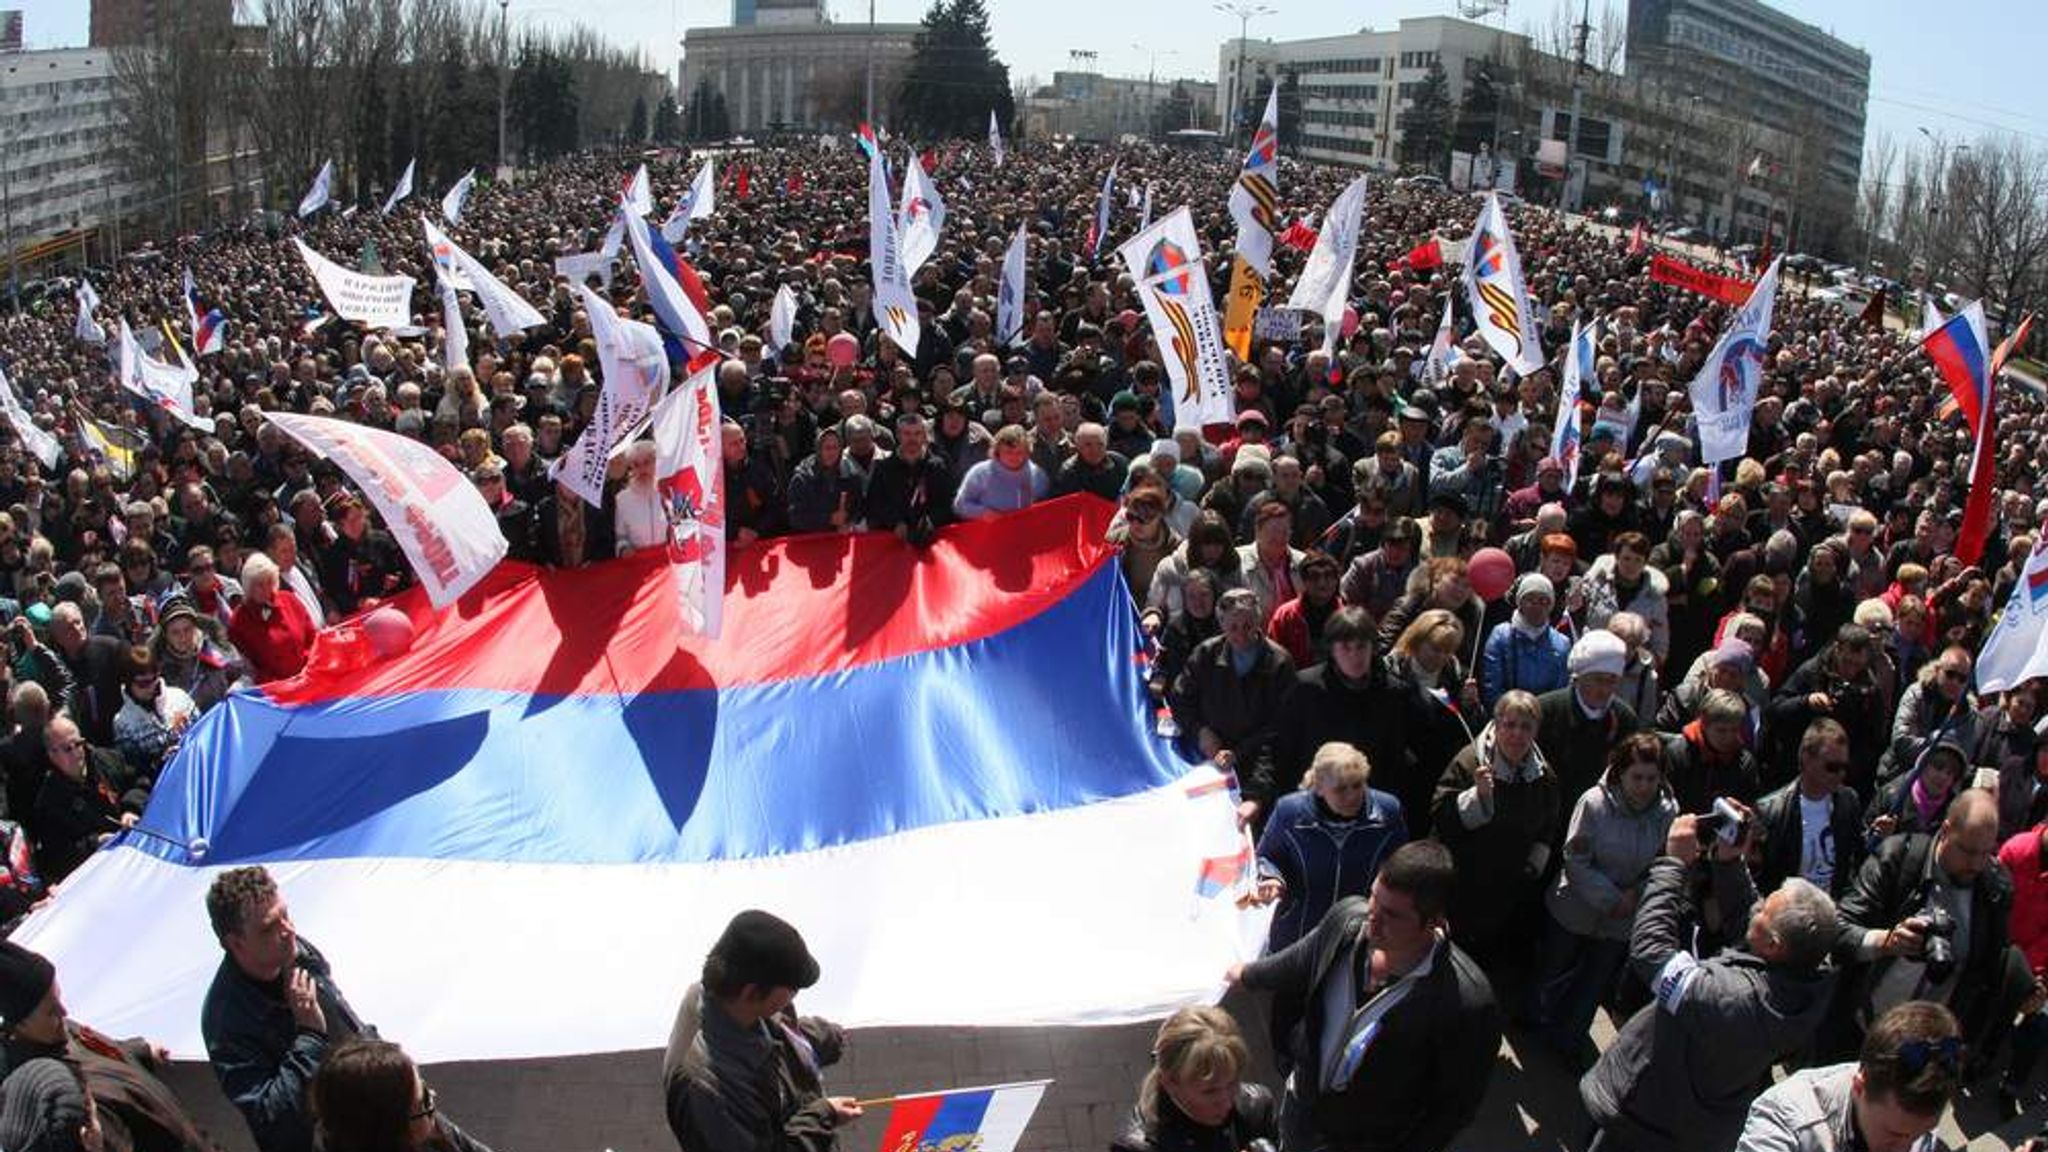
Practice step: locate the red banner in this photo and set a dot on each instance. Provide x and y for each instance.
(1732, 290)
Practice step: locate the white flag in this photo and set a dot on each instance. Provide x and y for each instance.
(320, 193)
(2017, 650)
(923, 214)
(87, 329)
(402, 190)
(635, 370)
(439, 519)
(375, 301)
(454, 337)
(782, 320)
(1010, 295)
(1255, 198)
(86, 295)
(638, 198)
(689, 459)
(895, 304)
(1724, 393)
(699, 200)
(1145, 210)
(1493, 284)
(1442, 352)
(40, 443)
(578, 267)
(995, 138)
(1166, 260)
(1578, 369)
(507, 310)
(451, 204)
(1098, 230)
(1325, 282)
(165, 386)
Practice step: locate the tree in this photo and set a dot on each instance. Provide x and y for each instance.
(544, 102)
(668, 121)
(1426, 123)
(1479, 110)
(705, 117)
(953, 80)
(636, 128)
(1172, 113)
(168, 94)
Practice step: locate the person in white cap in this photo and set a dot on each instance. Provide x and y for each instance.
(1582, 720)
(1524, 651)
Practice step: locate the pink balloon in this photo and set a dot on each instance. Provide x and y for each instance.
(1350, 324)
(843, 350)
(389, 631)
(1491, 572)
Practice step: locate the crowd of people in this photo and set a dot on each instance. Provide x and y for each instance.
(1707, 756)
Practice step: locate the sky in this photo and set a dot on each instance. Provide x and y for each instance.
(1961, 71)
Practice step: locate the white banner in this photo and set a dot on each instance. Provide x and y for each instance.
(579, 267)
(1578, 369)
(375, 301)
(438, 518)
(1724, 393)
(457, 197)
(995, 138)
(1325, 282)
(1010, 296)
(40, 443)
(507, 310)
(2017, 650)
(635, 370)
(689, 458)
(638, 197)
(87, 329)
(454, 337)
(401, 190)
(699, 200)
(1493, 284)
(922, 216)
(1254, 199)
(782, 320)
(1166, 260)
(895, 304)
(1437, 367)
(318, 195)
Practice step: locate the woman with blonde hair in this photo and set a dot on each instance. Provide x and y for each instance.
(1325, 842)
(1195, 1099)
(1426, 676)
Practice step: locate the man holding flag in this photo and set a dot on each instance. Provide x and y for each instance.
(1254, 205)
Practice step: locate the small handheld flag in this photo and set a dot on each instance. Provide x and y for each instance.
(989, 1119)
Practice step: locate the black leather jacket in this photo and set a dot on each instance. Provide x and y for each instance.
(1254, 1118)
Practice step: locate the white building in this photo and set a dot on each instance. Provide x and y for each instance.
(798, 75)
(1354, 87)
(60, 178)
(1091, 106)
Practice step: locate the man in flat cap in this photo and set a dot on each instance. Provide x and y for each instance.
(743, 1072)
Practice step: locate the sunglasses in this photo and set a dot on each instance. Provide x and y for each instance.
(1914, 1055)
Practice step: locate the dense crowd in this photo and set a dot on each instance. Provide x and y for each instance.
(1707, 756)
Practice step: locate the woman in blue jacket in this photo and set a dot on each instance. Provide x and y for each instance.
(1325, 842)
(1525, 651)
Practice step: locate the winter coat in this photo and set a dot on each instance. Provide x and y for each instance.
(1261, 581)
(1807, 1112)
(1698, 777)
(1322, 857)
(735, 1089)
(2023, 860)
(1243, 711)
(1433, 734)
(138, 1112)
(817, 491)
(1502, 847)
(1858, 706)
(1254, 1117)
(1576, 745)
(1170, 579)
(1608, 847)
(1515, 659)
(1323, 707)
(1601, 599)
(1923, 714)
(263, 1060)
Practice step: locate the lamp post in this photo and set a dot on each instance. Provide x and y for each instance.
(1244, 13)
(504, 80)
(1151, 81)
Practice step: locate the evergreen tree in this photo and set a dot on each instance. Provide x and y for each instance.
(1480, 108)
(953, 79)
(668, 121)
(706, 117)
(1426, 124)
(636, 128)
(544, 103)
(1172, 114)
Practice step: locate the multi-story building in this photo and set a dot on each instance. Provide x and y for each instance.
(1741, 64)
(122, 22)
(797, 75)
(746, 13)
(1091, 106)
(10, 29)
(60, 181)
(1354, 87)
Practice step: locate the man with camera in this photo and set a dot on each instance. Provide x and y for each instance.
(1926, 919)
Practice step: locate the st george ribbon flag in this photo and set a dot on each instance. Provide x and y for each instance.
(1166, 261)
(374, 301)
(922, 215)
(1325, 281)
(1254, 205)
(320, 193)
(895, 305)
(690, 465)
(1499, 300)
(458, 196)
(507, 310)
(41, 443)
(1962, 352)
(1724, 393)
(995, 138)
(438, 518)
(1578, 369)
(699, 201)
(635, 370)
(401, 190)
(1010, 293)
(990, 1119)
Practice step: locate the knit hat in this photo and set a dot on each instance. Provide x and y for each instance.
(760, 948)
(25, 978)
(1536, 584)
(1598, 651)
(175, 607)
(1166, 448)
(42, 1107)
(1733, 651)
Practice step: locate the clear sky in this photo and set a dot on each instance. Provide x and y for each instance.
(1960, 69)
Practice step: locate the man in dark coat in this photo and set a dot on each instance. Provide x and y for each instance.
(743, 1070)
(1813, 827)
(1344, 699)
(1228, 698)
(1421, 1029)
(911, 491)
(1583, 720)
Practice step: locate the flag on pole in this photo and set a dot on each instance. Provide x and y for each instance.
(454, 337)
(638, 196)
(635, 371)
(1436, 367)
(1166, 261)
(985, 1119)
(995, 138)
(866, 135)
(507, 311)
(209, 329)
(1963, 354)
(782, 320)
(1930, 317)
(402, 190)
(2013, 339)
(452, 203)
(1098, 230)
(1010, 294)
(165, 387)
(921, 217)
(1500, 302)
(1724, 393)
(1873, 312)
(689, 436)
(662, 280)
(1638, 239)
(1255, 197)
(320, 193)
(40, 443)
(114, 447)
(1578, 369)
(87, 329)
(1300, 235)
(698, 202)
(438, 518)
(895, 305)
(1324, 285)
(2017, 649)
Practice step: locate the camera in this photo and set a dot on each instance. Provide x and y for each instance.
(1724, 823)
(1939, 929)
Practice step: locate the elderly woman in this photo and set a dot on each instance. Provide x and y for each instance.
(1623, 581)
(640, 517)
(271, 631)
(1195, 1098)
(1496, 808)
(1639, 687)
(369, 1097)
(1424, 674)
(1195, 622)
(1006, 482)
(1325, 842)
(825, 491)
(1617, 827)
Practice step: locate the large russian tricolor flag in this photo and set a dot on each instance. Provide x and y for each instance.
(520, 836)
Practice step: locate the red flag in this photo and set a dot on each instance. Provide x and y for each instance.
(1299, 236)
(744, 182)
(2013, 339)
(794, 184)
(1423, 256)
(1873, 312)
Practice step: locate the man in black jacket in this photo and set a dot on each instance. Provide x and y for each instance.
(1421, 1029)
(1344, 698)
(273, 1011)
(743, 1070)
(911, 491)
(1813, 827)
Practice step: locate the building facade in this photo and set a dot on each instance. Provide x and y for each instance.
(120, 22)
(1091, 106)
(60, 179)
(798, 76)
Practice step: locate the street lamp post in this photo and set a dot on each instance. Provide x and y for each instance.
(504, 80)
(1244, 13)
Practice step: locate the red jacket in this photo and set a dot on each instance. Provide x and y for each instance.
(2028, 924)
(274, 641)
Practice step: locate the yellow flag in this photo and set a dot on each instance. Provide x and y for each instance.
(1246, 292)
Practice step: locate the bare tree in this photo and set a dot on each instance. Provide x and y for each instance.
(1875, 200)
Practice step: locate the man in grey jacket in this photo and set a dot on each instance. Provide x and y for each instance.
(1890, 1100)
(1682, 1072)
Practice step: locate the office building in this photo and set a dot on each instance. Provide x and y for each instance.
(747, 13)
(60, 180)
(116, 23)
(796, 76)
(1091, 106)
(10, 29)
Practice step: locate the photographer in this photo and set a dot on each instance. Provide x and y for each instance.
(1890, 1100)
(1926, 919)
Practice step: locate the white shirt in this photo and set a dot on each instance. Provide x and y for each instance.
(1817, 841)
(640, 519)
